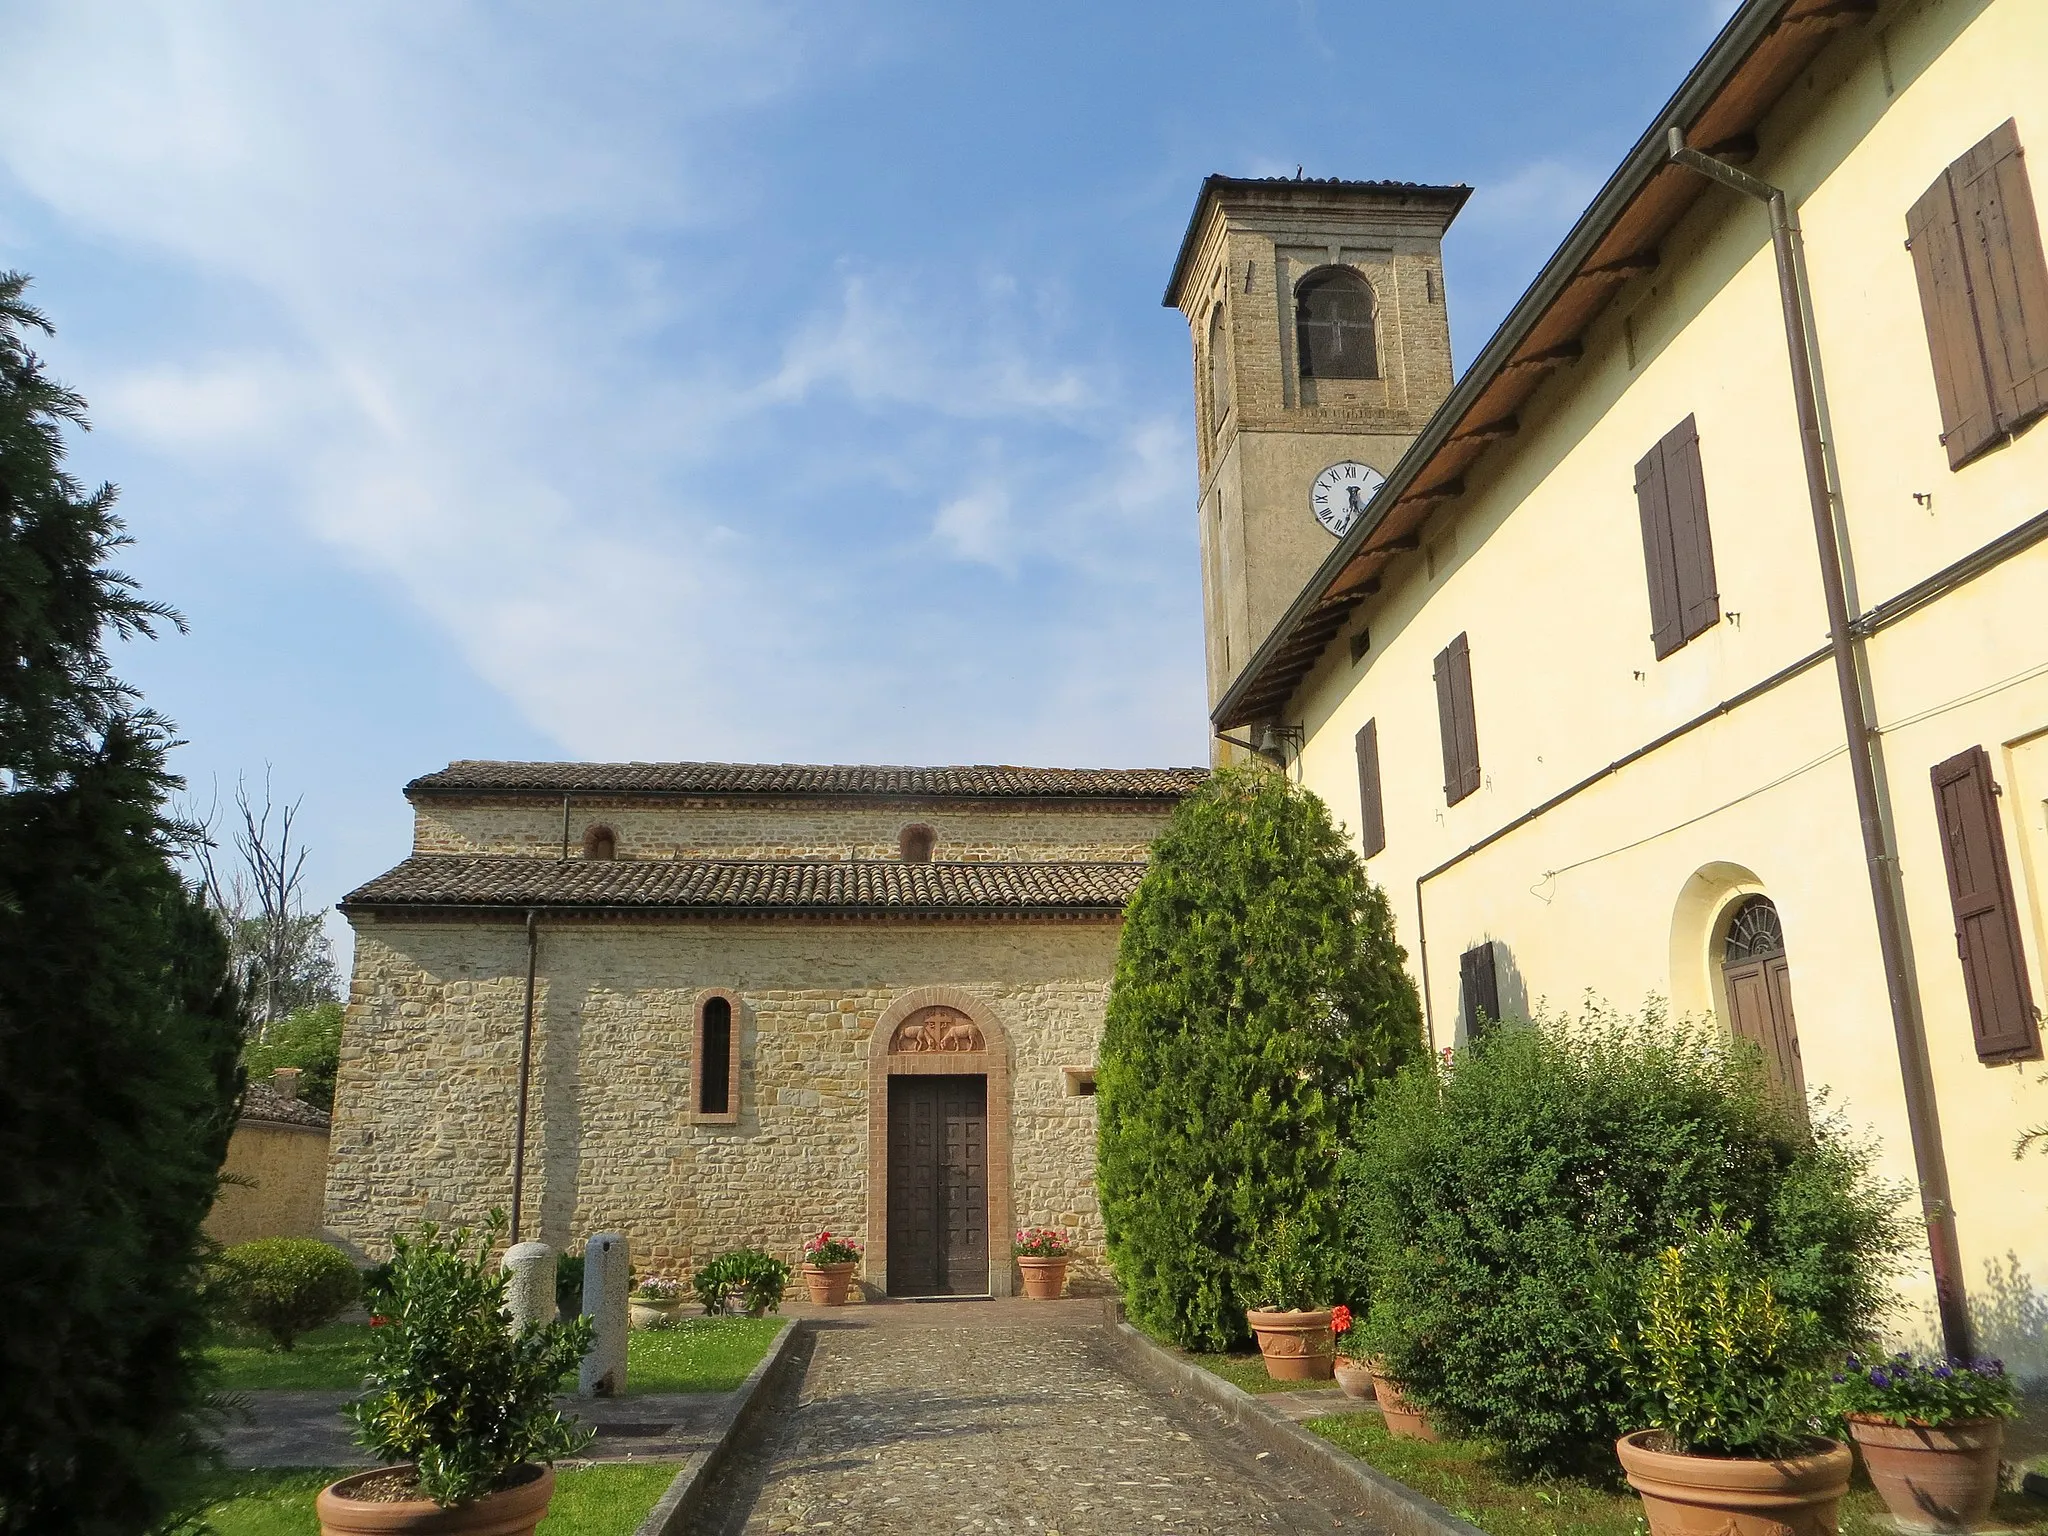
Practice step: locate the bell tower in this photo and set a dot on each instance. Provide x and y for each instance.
(1321, 346)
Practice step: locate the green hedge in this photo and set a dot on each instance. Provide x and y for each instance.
(285, 1286)
(1259, 994)
(1502, 1209)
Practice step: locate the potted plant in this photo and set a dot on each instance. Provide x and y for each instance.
(744, 1280)
(1293, 1316)
(462, 1406)
(1353, 1374)
(1930, 1432)
(1042, 1255)
(829, 1263)
(654, 1302)
(1732, 1390)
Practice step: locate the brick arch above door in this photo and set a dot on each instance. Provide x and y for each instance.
(985, 1051)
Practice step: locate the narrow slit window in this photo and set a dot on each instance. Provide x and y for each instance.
(716, 1066)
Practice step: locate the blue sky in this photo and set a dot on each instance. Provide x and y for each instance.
(751, 382)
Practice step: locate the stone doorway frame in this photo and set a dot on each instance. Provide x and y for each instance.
(992, 1062)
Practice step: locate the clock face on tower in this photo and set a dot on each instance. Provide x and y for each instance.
(1341, 492)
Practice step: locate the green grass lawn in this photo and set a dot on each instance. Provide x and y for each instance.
(1249, 1372)
(701, 1354)
(607, 1500)
(1467, 1479)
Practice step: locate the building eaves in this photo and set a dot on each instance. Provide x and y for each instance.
(748, 887)
(810, 780)
(1759, 53)
(1215, 186)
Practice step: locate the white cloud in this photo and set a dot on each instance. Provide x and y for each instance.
(976, 528)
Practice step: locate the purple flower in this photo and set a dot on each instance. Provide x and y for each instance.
(1943, 1372)
(1879, 1379)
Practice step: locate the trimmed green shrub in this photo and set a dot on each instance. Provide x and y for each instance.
(1503, 1208)
(755, 1277)
(285, 1286)
(1259, 995)
(451, 1388)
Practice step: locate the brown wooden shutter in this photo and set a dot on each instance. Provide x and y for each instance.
(1692, 544)
(1653, 503)
(1987, 919)
(1372, 816)
(1977, 254)
(1456, 721)
(2008, 276)
(1479, 985)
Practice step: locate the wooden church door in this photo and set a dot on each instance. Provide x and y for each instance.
(938, 1185)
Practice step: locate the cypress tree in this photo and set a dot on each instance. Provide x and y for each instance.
(1259, 996)
(119, 1028)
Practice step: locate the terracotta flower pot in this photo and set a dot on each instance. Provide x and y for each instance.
(1354, 1376)
(513, 1511)
(1933, 1477)
(1044, 1279)
(1298, 1346)
(1405, 1421)
(828, 1283)
(648, 1312)
(1736, 1495)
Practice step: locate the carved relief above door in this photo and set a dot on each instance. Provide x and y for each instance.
(936, 1029)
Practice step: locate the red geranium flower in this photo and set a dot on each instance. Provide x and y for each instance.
(379, 1322)
(1340, 1319)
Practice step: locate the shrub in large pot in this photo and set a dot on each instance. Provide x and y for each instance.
(1930, 1432)
(1042, 1255)
(462, 1404)
(1291, 1314)
(745, 1280)
(1732, 1390)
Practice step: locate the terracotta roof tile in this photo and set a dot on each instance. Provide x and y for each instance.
(264, 1103)
(740, 886)
(975, 781)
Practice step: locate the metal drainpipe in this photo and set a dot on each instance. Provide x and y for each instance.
(1922, 1117)
(525, 1068)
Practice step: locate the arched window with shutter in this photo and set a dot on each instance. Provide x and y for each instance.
(1333, 323)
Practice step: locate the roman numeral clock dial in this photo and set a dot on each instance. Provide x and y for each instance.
(1341, 493)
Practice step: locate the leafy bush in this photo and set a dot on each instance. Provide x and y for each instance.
(569, 1285)
(1259, 994)
(754, 1276)
(1718, 1363)
(1902, 1390)
(1501, 1209)
(1291, 1272)
(450, 1388)
(309, 1040)
(285, 1286)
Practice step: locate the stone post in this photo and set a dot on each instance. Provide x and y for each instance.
(530, 1292)
(607, 1279)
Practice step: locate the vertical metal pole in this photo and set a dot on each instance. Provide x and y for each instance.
(525, 1069)
(1922, 1115)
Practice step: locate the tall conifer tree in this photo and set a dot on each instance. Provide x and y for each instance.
(119, 1028)
(1259, 995)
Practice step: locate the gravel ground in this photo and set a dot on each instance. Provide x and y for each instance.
(996, 1417)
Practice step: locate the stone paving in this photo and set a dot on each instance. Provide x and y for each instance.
(985, 1417)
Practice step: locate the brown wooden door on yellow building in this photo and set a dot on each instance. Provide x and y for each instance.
(938, 1186)
(1758, 980)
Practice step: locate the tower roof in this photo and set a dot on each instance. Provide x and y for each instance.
(1284, 191)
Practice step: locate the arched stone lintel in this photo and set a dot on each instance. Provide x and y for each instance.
(991, 1062)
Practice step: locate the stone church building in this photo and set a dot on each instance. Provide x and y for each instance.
(755, 1002)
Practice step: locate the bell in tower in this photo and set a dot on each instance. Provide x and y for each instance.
(1321, 345)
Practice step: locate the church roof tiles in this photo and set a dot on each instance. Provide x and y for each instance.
(744, 887)
(972, 782)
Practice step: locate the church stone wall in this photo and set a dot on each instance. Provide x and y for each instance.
(788, 831)
(430, 1056)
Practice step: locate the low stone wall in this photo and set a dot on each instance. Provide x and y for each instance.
(429, 1076)
(277, 1175)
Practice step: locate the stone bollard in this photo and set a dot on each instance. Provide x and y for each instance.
(530, 1290)
(607, 1279)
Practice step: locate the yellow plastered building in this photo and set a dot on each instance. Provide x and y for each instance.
(1573, 678)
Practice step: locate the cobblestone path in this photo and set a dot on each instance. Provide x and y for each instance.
(994, 1417)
